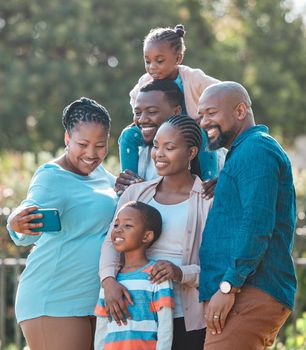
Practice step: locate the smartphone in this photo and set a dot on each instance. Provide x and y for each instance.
(51, 220)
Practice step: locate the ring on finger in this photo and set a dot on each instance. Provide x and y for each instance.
(216, 317)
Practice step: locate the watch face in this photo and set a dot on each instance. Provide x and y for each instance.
(225, 287)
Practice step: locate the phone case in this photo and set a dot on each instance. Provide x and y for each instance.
(51, 220)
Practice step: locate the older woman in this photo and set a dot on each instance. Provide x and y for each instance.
(59, 286)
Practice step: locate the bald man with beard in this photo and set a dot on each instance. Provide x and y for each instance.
(247, 276)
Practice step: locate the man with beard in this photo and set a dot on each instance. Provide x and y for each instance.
(247, 274)
(155, 103)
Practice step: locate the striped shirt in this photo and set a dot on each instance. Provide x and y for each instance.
(141, 331)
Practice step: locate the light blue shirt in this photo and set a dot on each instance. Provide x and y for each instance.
(146, 166)
(169, 246)
(61, 274)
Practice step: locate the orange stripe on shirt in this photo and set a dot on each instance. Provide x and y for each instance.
(148, 269)
(131, 345)
(100, 311)
(160, 303)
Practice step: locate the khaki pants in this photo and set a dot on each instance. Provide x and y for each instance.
(59, 333)
(252, 324)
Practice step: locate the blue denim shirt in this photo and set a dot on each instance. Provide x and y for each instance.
(248, 237)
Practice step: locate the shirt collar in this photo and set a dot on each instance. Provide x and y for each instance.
(197, 185)
(246, 133)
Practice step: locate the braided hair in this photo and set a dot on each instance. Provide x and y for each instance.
(192, 134)
(175, 37)
(171, 91)
(85, 110)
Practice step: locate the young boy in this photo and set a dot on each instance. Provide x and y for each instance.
(136, 227)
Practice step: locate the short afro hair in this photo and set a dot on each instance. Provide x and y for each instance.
(151, 217)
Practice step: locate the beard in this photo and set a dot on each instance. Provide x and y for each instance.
(222, 139)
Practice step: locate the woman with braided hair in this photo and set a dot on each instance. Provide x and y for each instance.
(163, 53)
(176, 193)
(59, 287)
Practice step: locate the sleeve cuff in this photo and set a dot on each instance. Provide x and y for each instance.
(107, 272)
(15, 235)
(190, 275)
(234, 278)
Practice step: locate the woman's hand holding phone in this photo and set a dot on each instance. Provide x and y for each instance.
(21, 222)
(32, 221)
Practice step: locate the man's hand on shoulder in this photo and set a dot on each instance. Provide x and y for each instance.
(125, 179)
(208, 188)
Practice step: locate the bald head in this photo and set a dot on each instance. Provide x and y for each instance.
(230, 92)
(225, 112)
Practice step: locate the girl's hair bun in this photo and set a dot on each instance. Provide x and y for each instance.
(180, 30)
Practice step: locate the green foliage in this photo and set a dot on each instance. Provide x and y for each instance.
(295, 336)
(300, 238)
(274, 74)
(54, 52)
(11, 347)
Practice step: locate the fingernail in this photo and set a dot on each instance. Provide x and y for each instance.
(213, 333)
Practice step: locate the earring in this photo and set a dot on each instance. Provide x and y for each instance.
(66, 149)
(189, 166)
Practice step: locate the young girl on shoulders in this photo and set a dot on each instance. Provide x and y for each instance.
(164, 50)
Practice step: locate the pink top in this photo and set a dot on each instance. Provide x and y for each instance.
(195, 81)
(197, 214)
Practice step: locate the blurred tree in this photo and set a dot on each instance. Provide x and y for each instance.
(55, 52)
(273, 59)
(259, 44)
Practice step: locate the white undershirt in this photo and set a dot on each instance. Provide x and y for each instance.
(169, 246)
(146, 166)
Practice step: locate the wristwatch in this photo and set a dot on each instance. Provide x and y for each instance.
(227, 288)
